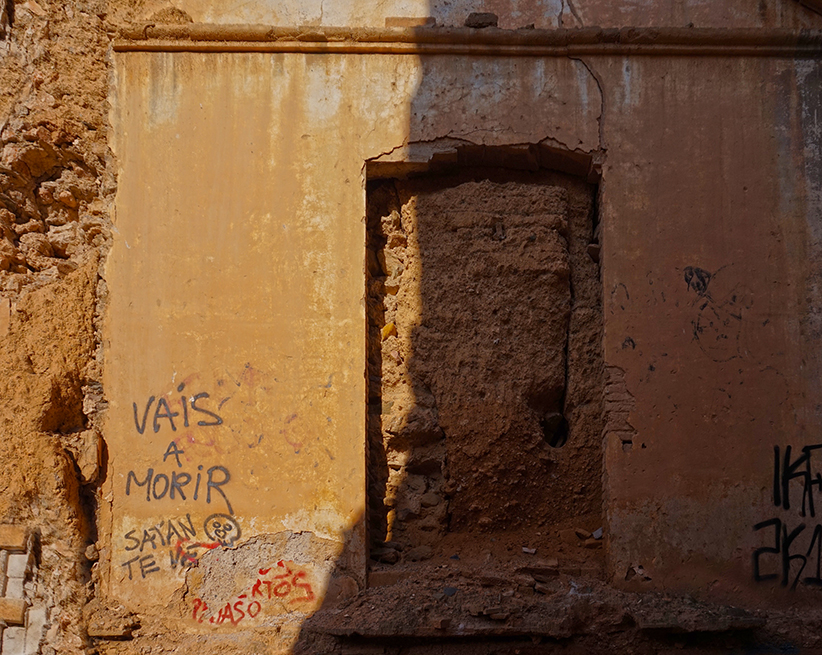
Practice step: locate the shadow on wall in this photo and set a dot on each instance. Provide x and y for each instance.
(477, 290)
(484, 369)
(541, 14)
(484, 378)
(477, 279)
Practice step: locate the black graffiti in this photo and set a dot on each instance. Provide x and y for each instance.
(178, 537)
(785, 559)
(160, 485)
(167, 532)
(223, 529)
(721, 323)
(786, 469)
(175, 451)
(163, 411)
(147, 564)
(697, 279)
(784, 545)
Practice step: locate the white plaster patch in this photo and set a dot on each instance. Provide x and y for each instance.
(164, 90)
(323, 93)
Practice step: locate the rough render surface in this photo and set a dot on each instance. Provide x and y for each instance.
(258, 320)
(484, 332)
(722, 372)
(249, 143)
(54, 190)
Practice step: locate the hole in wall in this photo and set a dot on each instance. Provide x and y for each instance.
(484, 362)
(554, 429)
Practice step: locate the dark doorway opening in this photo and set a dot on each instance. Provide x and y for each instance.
(485, 372)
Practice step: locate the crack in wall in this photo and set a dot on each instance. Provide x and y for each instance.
(574, 12)
(601, 117)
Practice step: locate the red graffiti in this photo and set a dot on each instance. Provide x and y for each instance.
(286, 585)
(201, 607)
(185, 552)
(283, 585)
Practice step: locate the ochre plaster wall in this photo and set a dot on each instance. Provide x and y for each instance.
(237, 270)
(713, 164)
(706, 243)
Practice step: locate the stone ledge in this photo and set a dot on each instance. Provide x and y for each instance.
(492, 41)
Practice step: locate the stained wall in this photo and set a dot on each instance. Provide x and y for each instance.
(237, 271)
(710, 208)
(705, 241)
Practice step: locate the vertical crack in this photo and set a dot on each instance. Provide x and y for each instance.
(574, 12)
(561, 436)
(597, 79)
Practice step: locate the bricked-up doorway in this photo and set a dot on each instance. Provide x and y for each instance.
(484, 368)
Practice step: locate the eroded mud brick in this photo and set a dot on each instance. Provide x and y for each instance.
(13, 537)
(13, 611)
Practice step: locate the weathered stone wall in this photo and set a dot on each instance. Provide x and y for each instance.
(493, 283)
(56, 185)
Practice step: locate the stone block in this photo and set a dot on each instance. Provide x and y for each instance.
(12, 537)
(14, 588)
(4, 558)
(12, 612)
(35, 629)
(17, 565)
(430, 499)
(14, 641)
(88, 456)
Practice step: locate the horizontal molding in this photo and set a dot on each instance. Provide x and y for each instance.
(201, 37)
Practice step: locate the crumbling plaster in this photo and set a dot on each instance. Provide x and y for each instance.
(303, 128)
(655, 121)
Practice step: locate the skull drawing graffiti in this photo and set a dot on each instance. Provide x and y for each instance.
(223, 529)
